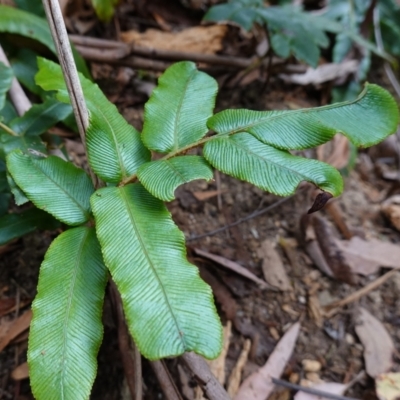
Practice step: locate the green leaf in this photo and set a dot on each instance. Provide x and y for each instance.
(53, 185)
(104, 9)
(162, 177)
(13, 226)
(4, 203)
(168, 307)
(9, 143)
(273, 170)
(3, 181)
(19, 196)
(114, 147)
(40, 117)
(32, 6)
(235, 12)
(66, 329)
(366, 121)
(6, 77)
(7, 113)
(176, 114)
(24, 65)
(13, 20)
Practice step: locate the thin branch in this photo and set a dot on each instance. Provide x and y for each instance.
(7, 129)
(67, 63)
(209, 383)
(316, 392)
(166, 382)
(241, 220)
(60, 38)
(18, 97)
(132, 365)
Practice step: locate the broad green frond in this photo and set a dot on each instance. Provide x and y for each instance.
(169, 309)
(369, 119)
(162, 177)
(176, 114)
(114, 147)
(66, 329)
(273, 170)
(53, 185)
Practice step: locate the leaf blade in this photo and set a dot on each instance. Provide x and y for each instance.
(369, 119)
(66, 329)
(169, 309)
(6, 77)
(162, 177)
(114, 147)
(53, 185)
(178, 109)
(271, 169)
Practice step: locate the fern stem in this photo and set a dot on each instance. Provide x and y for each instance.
(7, 129)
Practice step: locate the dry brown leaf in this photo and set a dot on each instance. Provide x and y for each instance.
(327, 387)
(15, 328)
(217, 366)
(203, 196)
(258, 386)
(366, 257)
(378, 345)
(198, 39)
(233, 266)
(21, 372)
(388, 386)
(236, 375)
(272, 266)
(323, 249)
(323, 73)
(391, 209)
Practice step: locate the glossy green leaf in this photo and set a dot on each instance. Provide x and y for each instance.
(24, 65)
(4, 203)
(176, 114)
(366, 121)
(169, 309)
(273, 170)
(13, 226)
(114, 147)
(53, 185)
(6, 77)
(40, 117)
(32, 6)
(162, 177)
(66, 329)
(104, 8)
(14, 20)
(19, 196)
(3, 182)
(8, 112)
(9, 143)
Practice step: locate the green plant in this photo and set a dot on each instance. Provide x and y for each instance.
(294, 31)
(169, 309)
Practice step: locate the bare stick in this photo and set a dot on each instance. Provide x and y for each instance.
(331, 308)
(209, 383)
(60, 38)
(316, 392)
(132, 365)
(17, 94)
(166, 382)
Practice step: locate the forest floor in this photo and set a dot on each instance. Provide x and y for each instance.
(341, 316)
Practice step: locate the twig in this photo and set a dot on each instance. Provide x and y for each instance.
(60, 37)
(316, 392)
(213, 59)
(132, 367)
(379, 42)
(332, 307)
(209, 383)
(17, 94)
(166, 382)
(241, 220)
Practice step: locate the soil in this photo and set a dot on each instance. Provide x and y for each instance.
(261, 315)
